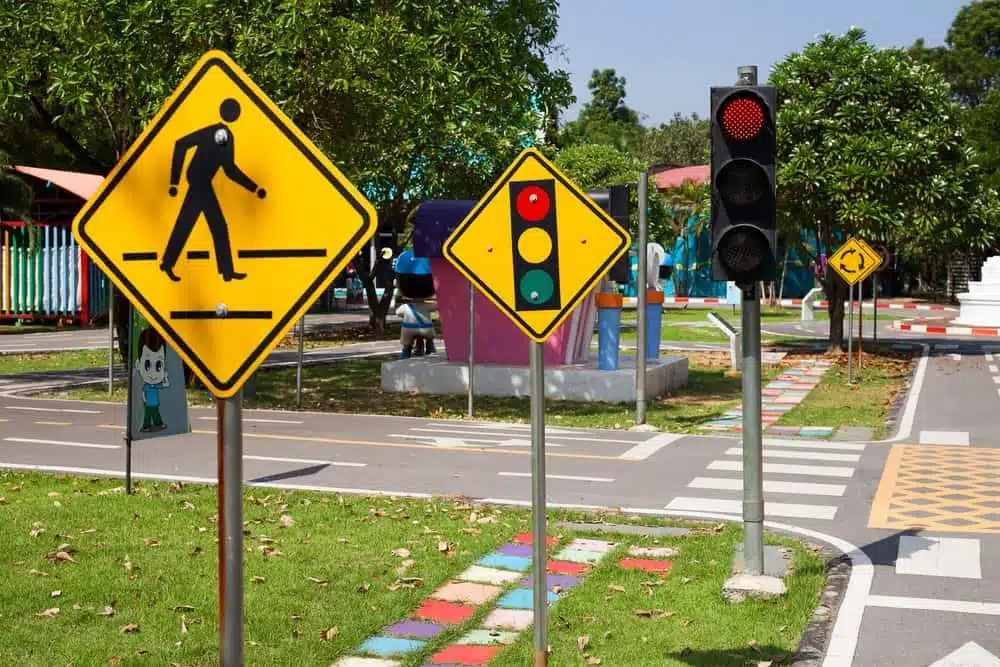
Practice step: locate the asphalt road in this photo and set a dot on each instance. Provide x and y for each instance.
(917, 514)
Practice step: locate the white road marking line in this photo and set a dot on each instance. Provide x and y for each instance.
(548, 434)
(912, 399)
(994, 368)
(956, 357)
(935, 604)
(279, 459)
(444, 441)
(646, 449)
(806, 444)
(572, 478)
(950, 438)
(33, 409)
(989, 357)
(969, 653)
(823, 512)
(770, 486)
(957, 557)
(486, 426)
(805, 456)
(61, 443)
(257, 421)
(996, 379)
(786, 469)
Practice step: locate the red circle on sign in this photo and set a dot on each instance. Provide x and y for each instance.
(533, 203)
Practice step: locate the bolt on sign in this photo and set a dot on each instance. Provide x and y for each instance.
(536, 245)
(855, 261)
(223, 223)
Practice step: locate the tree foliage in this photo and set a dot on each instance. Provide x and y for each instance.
(871, 143)
(15, 194)
(605, 119)
(683, 142)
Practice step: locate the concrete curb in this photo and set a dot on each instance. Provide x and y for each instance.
(816, 636)
(946, 330)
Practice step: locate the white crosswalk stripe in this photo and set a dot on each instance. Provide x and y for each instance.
(798, 496)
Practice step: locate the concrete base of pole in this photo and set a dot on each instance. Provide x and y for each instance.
(770, 584)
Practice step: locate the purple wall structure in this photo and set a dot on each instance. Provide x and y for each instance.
(497, 338)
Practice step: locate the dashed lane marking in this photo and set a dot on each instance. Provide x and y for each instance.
(949, 438)
(69, 410)
(54, 423)
(313, 462)
(572, 478)
(61, 443)
(803, 456)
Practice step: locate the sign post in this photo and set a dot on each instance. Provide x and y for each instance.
(536, 246)
(854, 261)
(281, 222)
(641, 320)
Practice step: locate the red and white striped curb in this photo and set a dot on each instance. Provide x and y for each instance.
(946, 330)
(630, 301)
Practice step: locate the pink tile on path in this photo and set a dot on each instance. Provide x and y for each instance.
(509, 619)
(469, 593)
(597, 546)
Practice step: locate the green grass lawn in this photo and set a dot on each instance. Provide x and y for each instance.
(865, 403)
(55, 361)
(355, 386)
(94, 577)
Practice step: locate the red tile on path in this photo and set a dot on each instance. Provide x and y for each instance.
(464, 655)
(526, 538)
(443, 612)
(565, 567)
(646, 564)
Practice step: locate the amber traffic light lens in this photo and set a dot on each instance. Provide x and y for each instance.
(742, 182)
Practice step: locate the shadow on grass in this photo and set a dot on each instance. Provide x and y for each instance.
(741, 656)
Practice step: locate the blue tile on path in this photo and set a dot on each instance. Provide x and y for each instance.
(516, 563)
(522, 598)
(387, 647)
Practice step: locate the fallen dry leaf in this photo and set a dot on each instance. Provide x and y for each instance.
(116, 660)
(684, 624)
(616, 587)
(56, 594)
(54, 494)
(581, 642)
(667, 614)
(59, 557)
(685, 580)
(183, 607)
(401, 552)
(328, 634)
(592, 660)
(286, 521)
(129, 627)
(37, 573)
(443, 546)
(257, 580)
(318, 582)
(35, 532)
(151, 542)
(129, 566)
(782, 628)
(753, 644)
(49, 613)
(643, 612)
(108, 611)
(364, 588)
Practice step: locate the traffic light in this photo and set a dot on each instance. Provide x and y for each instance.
(743, 183)
(614, 201)
(536, 245)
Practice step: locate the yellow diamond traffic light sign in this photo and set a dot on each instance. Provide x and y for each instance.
(223, 223)
(855, 261)
(536, 245)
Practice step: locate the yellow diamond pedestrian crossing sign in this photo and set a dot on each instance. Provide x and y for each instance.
(536, 245)
(223, 223)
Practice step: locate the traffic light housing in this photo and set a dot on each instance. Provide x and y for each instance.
(536, 245)
(614, 202)
(743, 183)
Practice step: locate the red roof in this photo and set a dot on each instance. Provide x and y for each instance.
(674, 177)
(81, 184)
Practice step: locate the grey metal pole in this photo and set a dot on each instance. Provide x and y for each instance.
(850, 336)
(111, 338)
(753, 446)
(753, 472)
(298, 366)
(232, 526)
(539, 546)
(129, 402)
(875, 280)
(640, 335)
(472, 343)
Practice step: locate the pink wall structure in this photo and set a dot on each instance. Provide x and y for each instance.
(497, 338)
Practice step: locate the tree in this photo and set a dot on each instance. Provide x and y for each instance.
(15, 194)
(412, 99)
(605, 119)
(683, 142)
(871, 143)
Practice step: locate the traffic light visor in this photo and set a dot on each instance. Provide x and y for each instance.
(742, 249)
(742, 116)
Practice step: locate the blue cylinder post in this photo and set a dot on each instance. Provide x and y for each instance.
(609, 326)
(654, 321)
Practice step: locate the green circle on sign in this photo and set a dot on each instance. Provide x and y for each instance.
(537, 286)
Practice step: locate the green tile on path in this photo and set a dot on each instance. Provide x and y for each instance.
(483, 637)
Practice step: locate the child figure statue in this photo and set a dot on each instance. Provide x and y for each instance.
(418, 326)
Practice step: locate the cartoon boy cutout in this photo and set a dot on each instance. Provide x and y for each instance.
(152, 366)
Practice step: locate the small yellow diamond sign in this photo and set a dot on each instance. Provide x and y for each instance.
(855, 261)
(223, 223)
(536, 245)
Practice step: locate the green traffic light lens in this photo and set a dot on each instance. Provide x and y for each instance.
(537, 287)
(743, 249)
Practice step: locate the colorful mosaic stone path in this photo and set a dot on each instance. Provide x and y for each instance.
(777, 398)
(500, 581)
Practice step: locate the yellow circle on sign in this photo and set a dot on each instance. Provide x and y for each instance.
(535, 245)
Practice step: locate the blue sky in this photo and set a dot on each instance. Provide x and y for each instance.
(671, 51)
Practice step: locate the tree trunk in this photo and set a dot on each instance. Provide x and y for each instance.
(836, 295)
(378, 309)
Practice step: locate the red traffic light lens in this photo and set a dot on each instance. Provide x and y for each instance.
(533, 203)
(743, 118)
